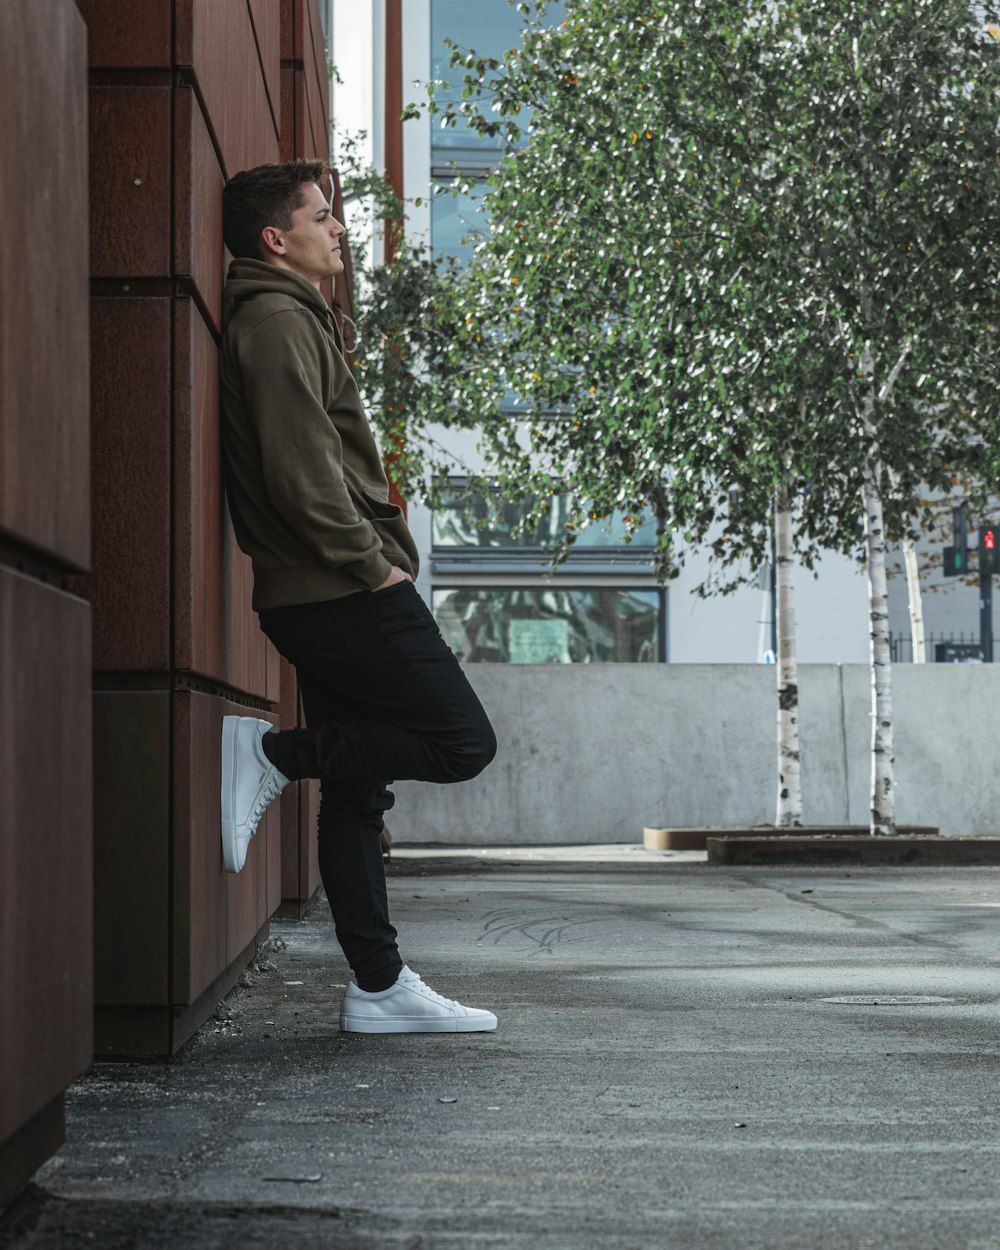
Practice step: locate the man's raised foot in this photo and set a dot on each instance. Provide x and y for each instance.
(249, 782)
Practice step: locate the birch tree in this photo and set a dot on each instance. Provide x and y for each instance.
(789, 805)
(738, 247)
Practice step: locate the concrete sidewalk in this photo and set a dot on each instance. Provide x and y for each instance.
(668, 1073)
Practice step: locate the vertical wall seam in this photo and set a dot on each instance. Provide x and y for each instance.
(843, 747)
(172, 567)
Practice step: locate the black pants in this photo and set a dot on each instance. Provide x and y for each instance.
(385, 700)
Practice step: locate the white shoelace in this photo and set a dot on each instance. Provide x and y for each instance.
(414, 982)
(266, 796)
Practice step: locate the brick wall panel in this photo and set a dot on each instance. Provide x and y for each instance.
(199, 251)
(132, 846)
(213, 36)
(316, 76)
(288, 113)
(291, 28)
(130, 585)
(142, 42)
(247, 891)
(44, 356)
(130, 182)
(199, 533)
(200, 895)
(266, 17)
(45, 853)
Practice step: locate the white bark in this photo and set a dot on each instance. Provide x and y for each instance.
(789, 807)
(883, 799)
(883, 796)
(916, 601)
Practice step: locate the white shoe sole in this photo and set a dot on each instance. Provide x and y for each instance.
(230, 842)
(365, 1024)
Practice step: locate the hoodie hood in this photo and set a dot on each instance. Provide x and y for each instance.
(247, 278)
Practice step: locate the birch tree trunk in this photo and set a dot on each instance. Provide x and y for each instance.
(883, 810)
(883, 798)
(789, 807)
(916, 601)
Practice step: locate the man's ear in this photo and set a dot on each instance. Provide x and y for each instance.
(272, 240)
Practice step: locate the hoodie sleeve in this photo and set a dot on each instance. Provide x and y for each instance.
(284, 364)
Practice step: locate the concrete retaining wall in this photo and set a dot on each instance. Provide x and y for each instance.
(592, 753)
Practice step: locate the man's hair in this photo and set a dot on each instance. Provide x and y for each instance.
(265, 196)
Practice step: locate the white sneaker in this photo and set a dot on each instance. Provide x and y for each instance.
(249, 782)
(409, 1006)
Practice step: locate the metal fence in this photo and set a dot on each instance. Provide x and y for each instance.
(940, 648)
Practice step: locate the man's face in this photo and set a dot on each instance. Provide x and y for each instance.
(311, 248)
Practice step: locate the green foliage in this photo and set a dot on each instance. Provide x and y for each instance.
(739, 247)
(411, 337)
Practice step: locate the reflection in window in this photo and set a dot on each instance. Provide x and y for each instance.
(550, 626)
(470, 519)
(490, 28)
(453, 217)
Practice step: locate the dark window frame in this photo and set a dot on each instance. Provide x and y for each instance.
(659, 591)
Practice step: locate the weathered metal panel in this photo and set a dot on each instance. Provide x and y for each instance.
(215, 39)
(244, 643)
(317, 80)
(199, 529)
(266, 18)
(130, 584)
(200, 890)
(291, 29)
(247, 891)
(132, 846)
(198, 181)
(45, 845)
(44, 355)
(130, 189)
(288, 75)
(140, 42)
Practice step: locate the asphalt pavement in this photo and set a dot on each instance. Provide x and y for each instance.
(688, 1057)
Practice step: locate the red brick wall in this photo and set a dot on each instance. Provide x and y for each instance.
(182, 95)
(45, 732)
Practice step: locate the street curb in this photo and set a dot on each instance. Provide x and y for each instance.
(695, 837)
(909, 851)
(454, 865)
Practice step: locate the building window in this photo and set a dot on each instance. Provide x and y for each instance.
(551, 625)
(490, 27)
(472, 522)
(456, 220)
(492, 593)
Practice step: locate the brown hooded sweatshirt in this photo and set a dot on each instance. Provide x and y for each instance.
(306, 487)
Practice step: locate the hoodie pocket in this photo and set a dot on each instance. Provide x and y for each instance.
(381, 509)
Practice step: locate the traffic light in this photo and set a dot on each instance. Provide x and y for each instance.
(989, 554)
(956, 557)
(956, 561)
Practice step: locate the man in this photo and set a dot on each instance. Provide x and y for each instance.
(334, 565)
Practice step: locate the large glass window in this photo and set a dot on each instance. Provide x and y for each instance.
(546, 625)
(490, 28)
(453, 217)
(473, 521)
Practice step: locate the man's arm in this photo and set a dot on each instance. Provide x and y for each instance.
(282, 363)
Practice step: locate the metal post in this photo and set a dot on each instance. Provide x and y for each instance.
(774, 596)
(986, 612)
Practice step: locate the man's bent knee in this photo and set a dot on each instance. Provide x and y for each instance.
(475, 755)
